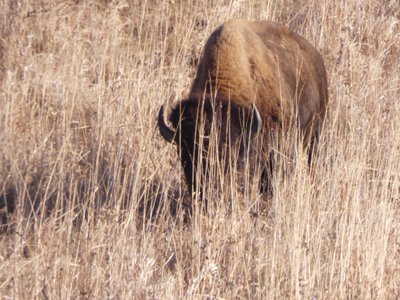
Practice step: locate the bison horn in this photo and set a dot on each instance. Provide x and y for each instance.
(168, 134)
(256, 122)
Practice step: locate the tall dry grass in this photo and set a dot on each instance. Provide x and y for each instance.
(92, 198)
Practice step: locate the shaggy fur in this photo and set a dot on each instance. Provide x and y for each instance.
(245, 63)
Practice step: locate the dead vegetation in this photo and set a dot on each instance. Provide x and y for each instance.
(92, 200)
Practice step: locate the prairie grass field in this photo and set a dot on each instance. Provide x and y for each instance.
(92, 198)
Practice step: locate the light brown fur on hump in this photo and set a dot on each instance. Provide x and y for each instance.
(264, 63)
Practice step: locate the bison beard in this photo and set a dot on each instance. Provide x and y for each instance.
(255, 82)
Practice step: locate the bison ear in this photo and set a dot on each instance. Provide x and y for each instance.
(176, 115)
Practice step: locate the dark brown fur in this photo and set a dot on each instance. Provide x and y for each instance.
(251, 63)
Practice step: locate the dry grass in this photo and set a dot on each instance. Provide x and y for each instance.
(91, 195)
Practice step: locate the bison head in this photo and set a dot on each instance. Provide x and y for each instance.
(211, 136)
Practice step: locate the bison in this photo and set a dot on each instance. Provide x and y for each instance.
(255, 81)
